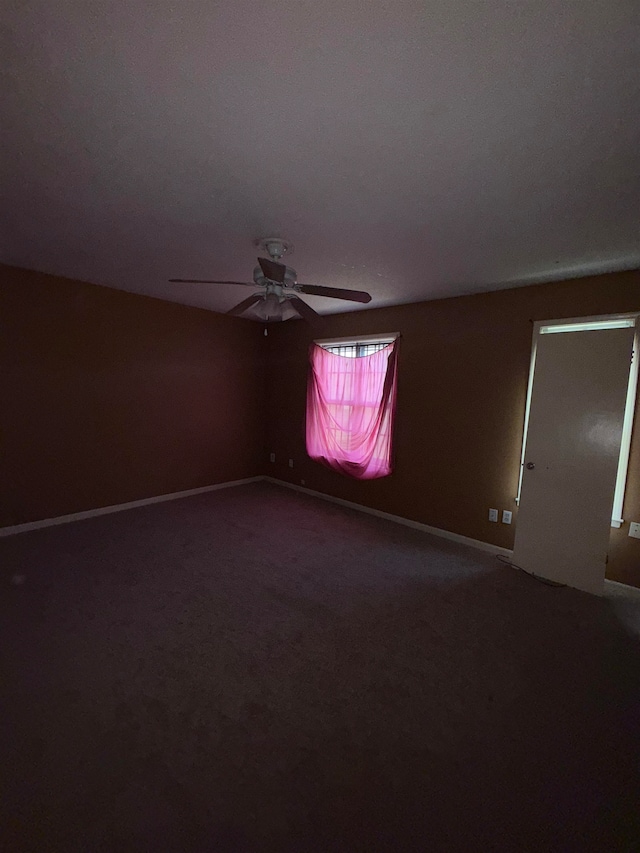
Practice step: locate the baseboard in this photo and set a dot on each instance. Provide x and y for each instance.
(416, 525)
(614, 586)
(617, 588)
(107, 510)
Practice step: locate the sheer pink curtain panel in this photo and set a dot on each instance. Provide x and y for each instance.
(350, 411)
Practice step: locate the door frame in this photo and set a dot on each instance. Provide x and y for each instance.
(630, 404)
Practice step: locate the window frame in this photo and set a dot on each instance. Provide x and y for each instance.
(357, 340)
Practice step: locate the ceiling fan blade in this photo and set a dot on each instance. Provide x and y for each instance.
(305, 311)
(272, 270)
(204, 281)
(335, 292)
(246, 303)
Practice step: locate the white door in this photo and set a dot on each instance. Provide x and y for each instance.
(571, 457)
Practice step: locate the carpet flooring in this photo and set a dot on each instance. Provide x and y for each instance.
(258, 670)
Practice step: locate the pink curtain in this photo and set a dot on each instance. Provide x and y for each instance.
(350, 411)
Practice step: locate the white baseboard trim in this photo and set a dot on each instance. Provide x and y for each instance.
(107, 510)
(617, 588)
(612, 587)
(416, 525)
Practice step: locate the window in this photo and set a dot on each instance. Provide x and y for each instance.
(355, 350)
(351, 405)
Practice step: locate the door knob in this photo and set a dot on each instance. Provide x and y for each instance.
(531, 466)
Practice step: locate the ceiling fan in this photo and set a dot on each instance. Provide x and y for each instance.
(278, 297)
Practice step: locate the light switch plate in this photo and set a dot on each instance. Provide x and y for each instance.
(272, 457)
(493, 515)
(634, 529)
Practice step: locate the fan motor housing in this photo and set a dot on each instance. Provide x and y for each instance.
(290, 277)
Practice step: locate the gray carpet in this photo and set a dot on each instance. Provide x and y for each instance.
(256, 670)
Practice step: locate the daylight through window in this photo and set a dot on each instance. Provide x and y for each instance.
(351, 406)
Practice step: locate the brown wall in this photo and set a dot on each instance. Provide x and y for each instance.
(463, 372)
(109, 397)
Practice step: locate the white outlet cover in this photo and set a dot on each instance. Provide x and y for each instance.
(634, 529)
(506, 516)
(493, 515)
(272, 457)
(291, 463)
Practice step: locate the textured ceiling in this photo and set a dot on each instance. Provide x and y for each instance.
(412, 149)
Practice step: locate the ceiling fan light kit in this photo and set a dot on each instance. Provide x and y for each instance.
(271, 303)
(272, 308)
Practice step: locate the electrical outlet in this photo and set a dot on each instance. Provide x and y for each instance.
(634, 529)
(302, 482)
(493, 515)
(272, 457)
(506, 516)
(291, 463)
